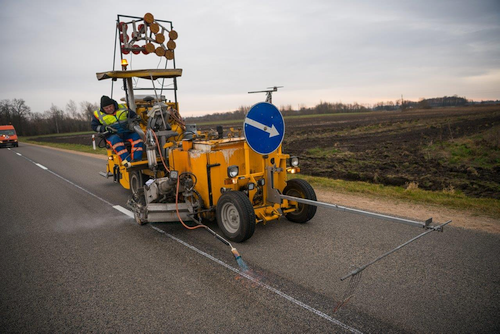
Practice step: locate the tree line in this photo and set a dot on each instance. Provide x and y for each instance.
(54, 120)
(332, 108)
(76, 118)
(435, 102)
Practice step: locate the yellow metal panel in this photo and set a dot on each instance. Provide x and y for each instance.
(144, 74)
(113, 160)
(195, 162)
(222, 153)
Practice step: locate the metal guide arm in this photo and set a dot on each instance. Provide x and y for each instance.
(360, 269)
(367, 213)
(425, 225)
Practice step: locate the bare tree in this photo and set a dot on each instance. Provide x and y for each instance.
(88, 110)
(5, 112)
(72, 109)
(57, 116)
(15, 112)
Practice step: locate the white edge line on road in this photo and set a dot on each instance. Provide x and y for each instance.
(123, 210)
(73, 184)
(220, 262)
(19, 154)
(41, 166)
(251, 278)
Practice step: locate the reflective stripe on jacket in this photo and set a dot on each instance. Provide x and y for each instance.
(118, 116)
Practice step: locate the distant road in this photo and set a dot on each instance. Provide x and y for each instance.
(72, 260)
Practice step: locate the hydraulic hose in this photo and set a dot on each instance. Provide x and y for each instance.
(235, 253)
(161, 155)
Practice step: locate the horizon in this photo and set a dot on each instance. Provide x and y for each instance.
(298, 106)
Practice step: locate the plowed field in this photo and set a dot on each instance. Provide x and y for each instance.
(453, 149)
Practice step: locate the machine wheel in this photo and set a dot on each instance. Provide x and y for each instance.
(136, 182)
(137, 203)
(302, 189)
(235, 216)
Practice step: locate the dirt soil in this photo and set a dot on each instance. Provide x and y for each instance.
(390, 148)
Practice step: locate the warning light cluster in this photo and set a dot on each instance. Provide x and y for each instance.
(149, 31)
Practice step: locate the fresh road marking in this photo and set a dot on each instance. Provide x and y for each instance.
(123, 210)
(216, 260)
(41, 166)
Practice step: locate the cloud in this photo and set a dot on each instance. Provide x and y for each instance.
(325, 50)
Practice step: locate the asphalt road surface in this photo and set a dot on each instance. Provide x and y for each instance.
(72, 260)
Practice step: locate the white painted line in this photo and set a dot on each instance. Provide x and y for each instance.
(19, 154)
(260, 283)
(41, 166)
(123, 210)
(220, 262)
(73, 184)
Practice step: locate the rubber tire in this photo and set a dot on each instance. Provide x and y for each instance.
(302, 189)
(136, 182)
(232, 203)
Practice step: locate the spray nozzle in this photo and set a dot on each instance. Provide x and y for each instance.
(235, 253)
(239, 260)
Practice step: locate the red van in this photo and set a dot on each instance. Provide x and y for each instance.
(8, 136)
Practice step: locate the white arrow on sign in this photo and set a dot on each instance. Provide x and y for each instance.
(272, 131)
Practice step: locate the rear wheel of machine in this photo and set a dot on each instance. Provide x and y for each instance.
(235, 216)
(302, 189)
(136, 182)
(137, 202)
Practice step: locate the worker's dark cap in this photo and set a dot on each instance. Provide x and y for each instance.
(106, 101)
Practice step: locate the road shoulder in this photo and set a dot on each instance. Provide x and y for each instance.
(460, 219)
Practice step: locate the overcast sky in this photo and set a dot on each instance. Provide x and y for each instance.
(319, 50)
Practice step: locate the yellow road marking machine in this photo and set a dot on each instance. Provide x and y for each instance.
(240, 177)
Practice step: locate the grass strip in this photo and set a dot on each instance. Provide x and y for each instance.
(457, 201)
(71, 147)
(60, 134)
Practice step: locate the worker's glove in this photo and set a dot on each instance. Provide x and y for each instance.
(110, 129)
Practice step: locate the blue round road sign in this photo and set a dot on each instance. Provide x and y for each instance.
(264, 128)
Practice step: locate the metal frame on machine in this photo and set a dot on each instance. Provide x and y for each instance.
(128, 87)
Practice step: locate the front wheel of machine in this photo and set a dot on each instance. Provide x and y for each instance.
(235, 216)
(301, 189)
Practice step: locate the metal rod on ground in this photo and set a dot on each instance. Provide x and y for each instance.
(357, 271)
(212, 232)
(367, 213)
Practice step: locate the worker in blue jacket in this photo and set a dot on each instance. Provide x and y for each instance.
(112, 119)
